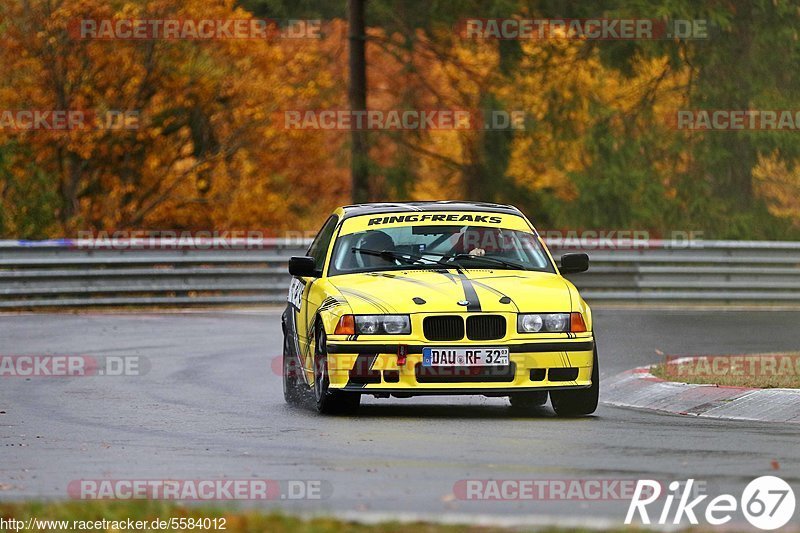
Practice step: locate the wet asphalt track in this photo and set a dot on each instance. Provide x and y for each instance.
(211, 407)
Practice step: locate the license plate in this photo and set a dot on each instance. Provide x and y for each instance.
(492, 356)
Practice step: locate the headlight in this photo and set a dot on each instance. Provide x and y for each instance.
(556, 322)
(396, 324)
(367, 325)
(536, 322)
(529, 323)
(386, 324)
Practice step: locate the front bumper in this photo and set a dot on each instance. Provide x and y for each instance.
(534, 366)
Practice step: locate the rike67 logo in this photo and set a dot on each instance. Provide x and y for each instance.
(767, 502)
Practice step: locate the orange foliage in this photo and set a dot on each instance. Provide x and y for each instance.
(206, 154)
(779, 184)
(210, 151)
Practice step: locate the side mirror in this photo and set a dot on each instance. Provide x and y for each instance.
(303, 267)
(574, 263)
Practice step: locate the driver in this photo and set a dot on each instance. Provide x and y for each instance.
(479, 240)
(379, 241)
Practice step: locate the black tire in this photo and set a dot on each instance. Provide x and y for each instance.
(292, 391)
(329, 402)
(580, 402)
(527, 401)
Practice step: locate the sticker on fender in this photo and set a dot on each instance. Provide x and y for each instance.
(493, 356)
(296, 289)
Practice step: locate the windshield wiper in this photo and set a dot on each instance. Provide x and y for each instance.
(487, 258)
(404, 257)
(455, 257)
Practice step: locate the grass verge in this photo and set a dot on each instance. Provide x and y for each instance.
(87, 516)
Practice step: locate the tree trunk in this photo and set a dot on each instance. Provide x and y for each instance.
(359, 165)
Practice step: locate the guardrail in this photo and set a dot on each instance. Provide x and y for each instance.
(74, 273)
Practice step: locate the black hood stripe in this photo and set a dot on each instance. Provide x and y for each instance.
(470, 294)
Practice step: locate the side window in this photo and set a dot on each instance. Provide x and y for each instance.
(319, 248)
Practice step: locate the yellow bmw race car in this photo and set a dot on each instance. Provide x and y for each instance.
(406, 299)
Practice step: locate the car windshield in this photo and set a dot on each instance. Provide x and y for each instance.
(437, 246)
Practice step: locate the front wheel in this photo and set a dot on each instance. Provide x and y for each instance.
(329, 401)
(580, 402)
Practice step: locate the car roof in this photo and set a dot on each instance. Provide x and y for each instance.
(394, 207)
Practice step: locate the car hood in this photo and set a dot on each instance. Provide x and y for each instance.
(447, 291)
